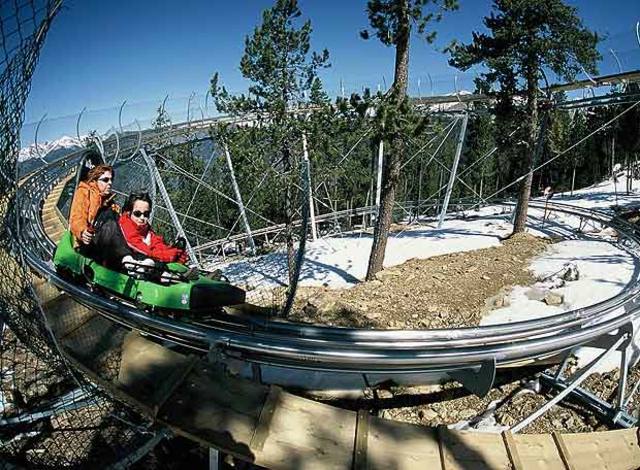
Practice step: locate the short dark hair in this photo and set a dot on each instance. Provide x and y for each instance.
(137, 196)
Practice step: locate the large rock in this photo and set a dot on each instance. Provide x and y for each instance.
(498, 301)
(553, 298)
(608, 232)
(570, 272)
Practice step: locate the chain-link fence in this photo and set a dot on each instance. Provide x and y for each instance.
(51, 415)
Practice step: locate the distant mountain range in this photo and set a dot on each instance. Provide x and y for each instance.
(45, 148)
(29, 157)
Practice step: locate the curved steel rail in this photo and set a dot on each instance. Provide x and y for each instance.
(321, 348)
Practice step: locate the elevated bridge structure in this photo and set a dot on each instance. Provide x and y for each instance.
(178, 372)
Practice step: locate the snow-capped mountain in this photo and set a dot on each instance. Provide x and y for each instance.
(452, 105)
(44, 148)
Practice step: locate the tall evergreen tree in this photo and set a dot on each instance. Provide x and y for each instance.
(480, 142)
(392, 22)
(629, 126)
(557, 139)
(526, 37)
(577, 131)
(283, 72)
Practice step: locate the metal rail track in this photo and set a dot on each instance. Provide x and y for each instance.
(290, 345)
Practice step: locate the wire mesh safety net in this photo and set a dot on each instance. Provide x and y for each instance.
(58, 359)
(51, 415)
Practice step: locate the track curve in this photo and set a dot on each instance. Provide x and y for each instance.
(290, 345)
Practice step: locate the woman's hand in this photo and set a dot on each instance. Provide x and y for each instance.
(86, 237)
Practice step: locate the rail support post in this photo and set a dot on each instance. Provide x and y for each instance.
(379, 176)
(243, 213)
(216, 459)
(312, 212)
(454, 169)
(569, 386)
(477, 380)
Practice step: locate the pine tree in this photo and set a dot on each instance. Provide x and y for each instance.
(527, 37)
(628, 135)
(162, 118)
(392, 22)
(480, 141)
(557, 173)
(282, 71)
(577, 131)
(317, 95)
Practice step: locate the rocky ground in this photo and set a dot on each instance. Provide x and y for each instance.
(451, 291)
(516, 394)
(440, 292)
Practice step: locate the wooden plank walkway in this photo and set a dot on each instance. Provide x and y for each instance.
(279, 430)
(53, 222)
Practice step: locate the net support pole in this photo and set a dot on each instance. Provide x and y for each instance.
(216, 461)
(195, 192)
(312, 211)
(236, 190)
(454, 169)
(167, 203)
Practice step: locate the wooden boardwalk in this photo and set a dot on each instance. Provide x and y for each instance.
(52, 220)
(278, 430)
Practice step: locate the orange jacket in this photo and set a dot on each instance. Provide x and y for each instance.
(86, 203)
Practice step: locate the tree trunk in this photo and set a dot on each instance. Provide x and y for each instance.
(419, 195)
(385, 212)
(522, 208)
(627, 171)
(530, 149)
(391, 172)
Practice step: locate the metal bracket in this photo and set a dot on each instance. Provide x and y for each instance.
(477, 380)
(571, 386)
(215, 356)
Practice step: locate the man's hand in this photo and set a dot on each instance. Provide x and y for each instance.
(86, 237)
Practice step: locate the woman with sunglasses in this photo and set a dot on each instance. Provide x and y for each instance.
(92, 196)
(93, 220)
(139, 235)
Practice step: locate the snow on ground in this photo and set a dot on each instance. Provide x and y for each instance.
(341, 262)
(604, 269)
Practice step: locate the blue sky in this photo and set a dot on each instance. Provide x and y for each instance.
(100, 53)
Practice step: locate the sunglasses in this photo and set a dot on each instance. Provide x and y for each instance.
(105, 179)
(140, 214)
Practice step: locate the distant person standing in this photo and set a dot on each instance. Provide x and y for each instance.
(548, 194)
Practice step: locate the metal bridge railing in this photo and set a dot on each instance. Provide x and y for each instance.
(345, 349)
